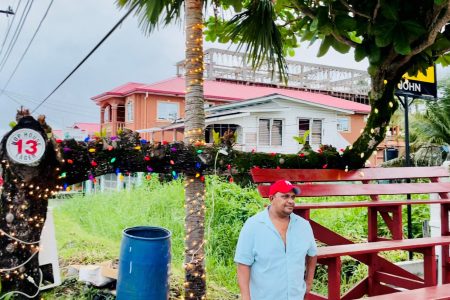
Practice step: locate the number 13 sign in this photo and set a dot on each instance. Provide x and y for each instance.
(25, 146)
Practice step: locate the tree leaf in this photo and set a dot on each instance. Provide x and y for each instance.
(324, 46)
(360, 53)
(444, 60)
(401, 43)
(374, 55)
(414, 28)
(339, 47)
(389, 10)
(345, 23)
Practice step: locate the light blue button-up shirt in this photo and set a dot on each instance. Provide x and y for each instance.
(276, 272)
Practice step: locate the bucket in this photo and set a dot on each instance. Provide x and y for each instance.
(144, 264)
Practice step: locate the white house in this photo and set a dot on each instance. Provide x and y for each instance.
(269, 123)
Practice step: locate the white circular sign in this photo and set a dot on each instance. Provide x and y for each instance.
(25, 146)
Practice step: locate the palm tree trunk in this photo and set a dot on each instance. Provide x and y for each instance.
(195, 285)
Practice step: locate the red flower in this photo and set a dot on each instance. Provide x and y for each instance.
(324, 166)
(147, 158)
(231, 180)
(69, 161)
(229, 167)
(59, 141)
(93, 163)
(302, 154)
(165, 142)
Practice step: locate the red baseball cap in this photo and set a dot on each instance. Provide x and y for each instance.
(283, 186)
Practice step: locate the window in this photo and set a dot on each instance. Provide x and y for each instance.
(107, 115)
(343, 124)
(270, 132)
(316, 132)
(303, 126)
(315, 127)
(167, 111)
(129, 111)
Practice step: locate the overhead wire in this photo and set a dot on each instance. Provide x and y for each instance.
(9, 28)
(88, 55)
(16, 34)
(28, 46)
(52, 107)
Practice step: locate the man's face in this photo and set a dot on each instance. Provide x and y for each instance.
(283, 203)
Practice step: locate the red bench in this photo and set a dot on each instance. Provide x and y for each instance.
(323, 183)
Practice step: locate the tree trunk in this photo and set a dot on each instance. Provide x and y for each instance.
(383, 106)
(26, 190)
(195, 285)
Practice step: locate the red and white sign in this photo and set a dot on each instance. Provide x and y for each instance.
(25, 146)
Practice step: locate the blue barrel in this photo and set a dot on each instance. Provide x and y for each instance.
(144, 264)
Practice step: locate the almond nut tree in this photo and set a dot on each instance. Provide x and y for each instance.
(395, 36)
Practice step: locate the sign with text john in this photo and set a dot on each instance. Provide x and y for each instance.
(419, 86)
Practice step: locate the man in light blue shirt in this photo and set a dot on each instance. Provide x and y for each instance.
(276, 251)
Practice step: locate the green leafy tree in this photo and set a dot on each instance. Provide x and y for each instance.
(395, 36)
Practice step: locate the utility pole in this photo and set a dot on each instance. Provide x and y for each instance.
(8, 12)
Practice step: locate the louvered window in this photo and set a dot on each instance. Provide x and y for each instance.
(316, 132)
(270, 132)
(303, 126)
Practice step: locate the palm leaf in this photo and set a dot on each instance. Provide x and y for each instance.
(255, 28)
(154, 12)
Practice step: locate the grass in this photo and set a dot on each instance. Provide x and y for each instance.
(89, 229)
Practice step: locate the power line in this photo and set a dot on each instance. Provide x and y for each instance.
(89, 114)
(8, 12)
(16, 34)
(9, 28)
(90, 53)
(29, 44)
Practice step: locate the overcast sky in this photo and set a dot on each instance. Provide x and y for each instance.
(71, 29)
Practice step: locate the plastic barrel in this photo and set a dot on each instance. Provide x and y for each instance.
(144, 264)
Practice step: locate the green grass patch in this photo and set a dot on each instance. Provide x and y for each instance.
(89, 229)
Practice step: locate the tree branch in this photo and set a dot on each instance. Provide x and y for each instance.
(343, 2)
(344, 39)
(375, 11)
(435, 29)
(310, 13)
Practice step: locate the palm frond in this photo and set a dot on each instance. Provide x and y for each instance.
(255, 28)
(152, 13)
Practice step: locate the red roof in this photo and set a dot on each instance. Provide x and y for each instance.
(216, 90)
(90, 128)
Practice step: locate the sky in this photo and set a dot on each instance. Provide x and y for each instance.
(68, 33)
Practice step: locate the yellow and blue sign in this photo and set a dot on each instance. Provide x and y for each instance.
(421, 85)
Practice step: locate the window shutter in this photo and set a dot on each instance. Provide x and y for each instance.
(277, 132)
(316, 132)
(264, 132)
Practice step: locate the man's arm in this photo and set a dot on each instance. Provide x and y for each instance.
(311, 262)
(243, 274)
